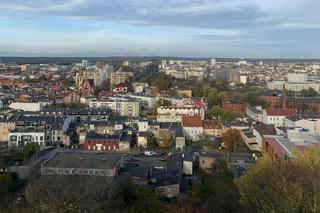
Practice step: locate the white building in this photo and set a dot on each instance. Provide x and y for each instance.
(84, 63)
(277, 116)
(192, 127)
(123, 107)
(255, 112)
(311, 124)
(174, 114)
(29, 107)
(20, 137)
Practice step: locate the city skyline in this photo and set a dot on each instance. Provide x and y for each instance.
(182, 28)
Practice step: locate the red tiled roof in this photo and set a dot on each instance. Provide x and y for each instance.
(191, 121)
(281, 112)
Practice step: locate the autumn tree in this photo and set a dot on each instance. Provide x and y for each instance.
(283, 186)
(165, 139)
(163, 102)
(232, 138)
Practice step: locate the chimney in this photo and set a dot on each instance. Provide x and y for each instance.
(284, 94)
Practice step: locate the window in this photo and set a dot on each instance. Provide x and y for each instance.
(41, 138)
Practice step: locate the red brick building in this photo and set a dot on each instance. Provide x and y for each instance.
(97, 142)
(274, 101)
(239, 108)
(304, 103)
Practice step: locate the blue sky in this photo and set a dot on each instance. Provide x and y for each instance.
(192, 28)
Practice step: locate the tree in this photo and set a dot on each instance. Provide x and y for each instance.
(165, 139)
(232, 138)
(283, 186)
(152, 142)
(228, 116)
(310, 92)
(29, 149)
(163, 102)
(5, 184)
(217, 111)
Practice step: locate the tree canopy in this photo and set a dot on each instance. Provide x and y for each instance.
(287, 186)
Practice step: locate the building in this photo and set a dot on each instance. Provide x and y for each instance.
(260, 130)
(275, 101)
(123, 107)
(119, 77)
(255, 113)
(238, 108)
(277, 116)
(302, 103)
(227, 75)
(82, 163)
(311, 123)
(84, 63)
(6, 126)
(192, 127)
(29, 107)
(296, 82)
(180, 139)
(212, 128)
(174, 114)
(21, 136)
(107, 143)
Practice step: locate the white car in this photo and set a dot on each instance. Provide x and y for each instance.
(149, 153)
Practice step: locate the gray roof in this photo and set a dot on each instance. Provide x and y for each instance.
(84, 160)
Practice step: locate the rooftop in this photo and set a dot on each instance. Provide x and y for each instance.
(84, 160)
(192, 121)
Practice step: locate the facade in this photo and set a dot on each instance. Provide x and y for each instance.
(192, 127)
(123, 107)
(174, 114)
(119, 142)
(234, 107)
(255, 113)
(213, 128)
(274, 101)
(18, 137)
(310, 123)
(97, 142)
(81, 163)
(119, 77)
(6, 125)
(277, 116)
(180, 139)
(29, 107)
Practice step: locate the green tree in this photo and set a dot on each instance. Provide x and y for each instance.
(229, 116)
(29, 149)
(217, 111)
(310, 92)
(152, 142)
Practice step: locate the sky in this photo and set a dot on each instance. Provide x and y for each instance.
(183, 28)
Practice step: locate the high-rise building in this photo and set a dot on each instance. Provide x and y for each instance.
(84, 63)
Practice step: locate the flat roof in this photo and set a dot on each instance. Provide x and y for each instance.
(89, 160)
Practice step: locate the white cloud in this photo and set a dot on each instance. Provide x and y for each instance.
(42, 5)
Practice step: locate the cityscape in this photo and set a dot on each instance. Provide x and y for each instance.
(148, 106)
